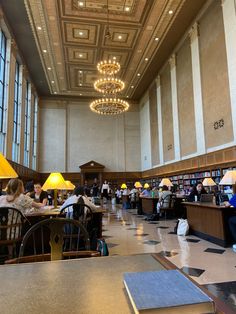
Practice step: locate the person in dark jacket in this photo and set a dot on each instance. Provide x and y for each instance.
(196, 192)
(39, 195)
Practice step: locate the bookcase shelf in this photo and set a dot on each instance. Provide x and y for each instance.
(184, 181)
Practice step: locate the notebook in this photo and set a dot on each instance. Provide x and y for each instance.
(206, 198)
(166, 292)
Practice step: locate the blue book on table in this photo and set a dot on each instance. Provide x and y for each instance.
(166, 291)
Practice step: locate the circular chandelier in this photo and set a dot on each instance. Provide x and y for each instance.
(109, 67)
(109, 85)
(109, 106)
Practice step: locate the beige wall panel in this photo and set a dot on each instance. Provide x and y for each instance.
(215, 83)
(112, 141)
(52, 140)
(167, 117)
(153, 125)
(185, 100)
(132, 141)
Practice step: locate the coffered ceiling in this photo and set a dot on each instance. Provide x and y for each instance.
(62, 40)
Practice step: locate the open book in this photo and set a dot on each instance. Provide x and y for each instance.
(167, 292)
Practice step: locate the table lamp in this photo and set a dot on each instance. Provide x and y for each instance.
(209, 182)
(138, 185)
(229, 179)
(123, 186)
(146, 186)
(55, 182)
(70, 186)
(165, 181)
(6, 170)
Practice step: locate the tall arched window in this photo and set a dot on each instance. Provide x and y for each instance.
(3, 83)
(27, 124)
(17, 116)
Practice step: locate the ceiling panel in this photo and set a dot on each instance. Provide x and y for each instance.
(68, 40)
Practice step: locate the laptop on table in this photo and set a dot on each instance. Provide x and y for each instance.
(206, 198)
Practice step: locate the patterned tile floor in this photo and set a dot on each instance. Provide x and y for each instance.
(208, 264)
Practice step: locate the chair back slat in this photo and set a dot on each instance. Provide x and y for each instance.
(65, 235)
(12, 222)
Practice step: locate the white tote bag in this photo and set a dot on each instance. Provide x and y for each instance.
(183, 227)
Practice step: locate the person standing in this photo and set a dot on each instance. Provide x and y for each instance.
(95, 188)
(105, 190)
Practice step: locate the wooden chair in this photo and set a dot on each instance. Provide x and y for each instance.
(13, 224)
(168, 204)
(83, 213)
(68, 239)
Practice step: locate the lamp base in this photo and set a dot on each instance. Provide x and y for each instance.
(55, 198)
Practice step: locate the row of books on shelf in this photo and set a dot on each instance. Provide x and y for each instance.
(186, 181)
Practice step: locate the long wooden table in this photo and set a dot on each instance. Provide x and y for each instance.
(148, 204)
(210, 222)
(38, 215)
(91, 286)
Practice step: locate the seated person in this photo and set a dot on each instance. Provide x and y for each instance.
(77, 193)
(146, 193)
(15, 197)
(164, 198)
(232, 220)
(39, 195)
(197, 191)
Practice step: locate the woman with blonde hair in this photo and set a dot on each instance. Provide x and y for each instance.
(15, 197)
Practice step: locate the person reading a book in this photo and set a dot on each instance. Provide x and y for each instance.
(196, 193)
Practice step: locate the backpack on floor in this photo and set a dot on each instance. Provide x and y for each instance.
(102, 247)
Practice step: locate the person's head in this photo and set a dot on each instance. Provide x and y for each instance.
(165, 188)
(105, 181)
(15, 187)
(37, 188)
(199, 186)
(79, 190)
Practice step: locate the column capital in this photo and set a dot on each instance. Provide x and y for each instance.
(194, 32)
(172, 61)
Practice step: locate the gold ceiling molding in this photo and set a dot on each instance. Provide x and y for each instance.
(162, 26)
(37, 18)
(70, 9)
(74, 39)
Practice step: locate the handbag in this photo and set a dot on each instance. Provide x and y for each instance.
(183, 227)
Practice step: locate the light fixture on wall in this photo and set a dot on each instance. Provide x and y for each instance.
(109, 85)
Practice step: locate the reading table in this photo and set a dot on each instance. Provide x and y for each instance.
(91, 285)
